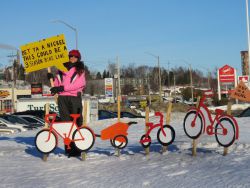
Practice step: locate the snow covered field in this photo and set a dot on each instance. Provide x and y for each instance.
(21, 164)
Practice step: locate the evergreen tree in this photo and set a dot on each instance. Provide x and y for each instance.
(104, 74)
(98, 76)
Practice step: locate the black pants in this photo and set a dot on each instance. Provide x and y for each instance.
(70, 105)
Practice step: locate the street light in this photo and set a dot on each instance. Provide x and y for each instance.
(159, 72)
(71, 27)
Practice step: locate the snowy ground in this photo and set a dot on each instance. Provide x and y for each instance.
(21, 164)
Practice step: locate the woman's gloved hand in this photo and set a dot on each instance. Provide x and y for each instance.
(50, 75)
(55, 90)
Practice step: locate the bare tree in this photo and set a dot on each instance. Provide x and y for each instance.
(112, 69)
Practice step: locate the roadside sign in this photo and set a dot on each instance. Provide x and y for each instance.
(109, 87)
(244, 79)
(226, 74)
(241, 92)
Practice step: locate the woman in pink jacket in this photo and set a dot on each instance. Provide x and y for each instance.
(69, 86)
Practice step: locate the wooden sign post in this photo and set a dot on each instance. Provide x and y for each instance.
(168, 116)
(194, 143)
(229, 112)
(85, 111)
(147, 150)
(46, 126)
(118, 151)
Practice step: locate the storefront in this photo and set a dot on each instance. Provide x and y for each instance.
(6, 98)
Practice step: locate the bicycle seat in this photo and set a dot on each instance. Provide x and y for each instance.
(149, 124)
(219, 111)
(75, 116)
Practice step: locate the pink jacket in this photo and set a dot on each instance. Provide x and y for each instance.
(72, 82)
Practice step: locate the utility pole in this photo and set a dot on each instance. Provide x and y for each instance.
(159, 78)
(174, 89)
(191, 83)
(118, 74)
(14, 79)
(208, 79)
(168, 76)
(149, 90)
(159, 73)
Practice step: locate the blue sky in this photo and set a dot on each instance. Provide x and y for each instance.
(205, 33)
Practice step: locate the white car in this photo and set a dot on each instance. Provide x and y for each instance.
(6, 123)
(4, 129)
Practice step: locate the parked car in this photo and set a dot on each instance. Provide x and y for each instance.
(105, 114)
(245, 113)
(4, 129)
(37, 113)
(5, 123)
(130, 115)
(18, 120)
(32, 119)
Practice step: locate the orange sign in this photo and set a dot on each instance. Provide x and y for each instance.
(4, 94)
(241, 92)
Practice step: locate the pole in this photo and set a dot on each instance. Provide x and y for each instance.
(168, 76)
(218, 82)
(208, 80)
(191, 83)
(71, 27)
(149, 91)
(174, 89)
(160, 90)
(147, 150)
(76, 39)
(229, 112)
(13, 90)
(118, 72)
(46, 126)
(194, 143)
(159, 73)
(248, 36)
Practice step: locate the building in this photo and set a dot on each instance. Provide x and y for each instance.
(6, 99)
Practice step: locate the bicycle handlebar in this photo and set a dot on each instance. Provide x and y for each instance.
(47, 118)
(160, 115)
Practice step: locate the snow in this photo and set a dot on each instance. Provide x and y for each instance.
(21, 164)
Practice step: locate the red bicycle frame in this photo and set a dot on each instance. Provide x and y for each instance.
(152, 126)
(66, 138)
(219, 114)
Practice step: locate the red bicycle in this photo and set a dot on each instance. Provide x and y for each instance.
(46, 140)
(199, 120)
(165, 134)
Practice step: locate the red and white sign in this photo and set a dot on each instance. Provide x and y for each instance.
(227, 74)
(244, 79)
(209, 93)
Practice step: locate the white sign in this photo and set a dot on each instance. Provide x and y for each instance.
(109, 87)
(24, 104)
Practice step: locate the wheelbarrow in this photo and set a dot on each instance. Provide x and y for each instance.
(117, 134)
